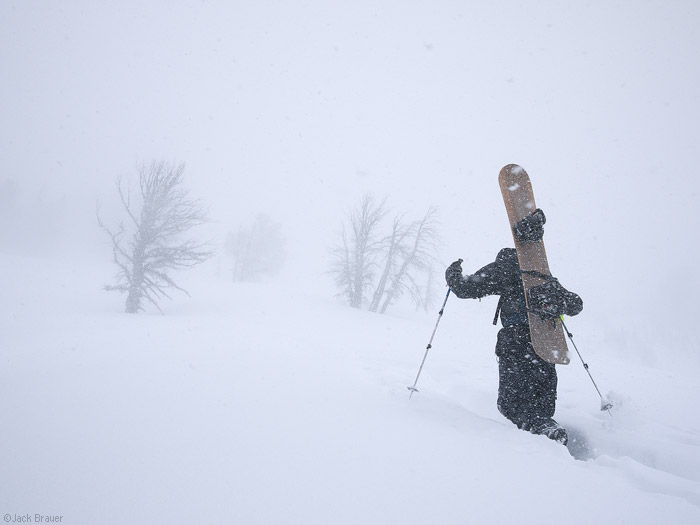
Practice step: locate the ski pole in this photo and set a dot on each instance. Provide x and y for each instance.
(430, 345)
(604, 403)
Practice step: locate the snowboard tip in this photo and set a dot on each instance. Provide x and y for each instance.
(513, 173)
(513, 168)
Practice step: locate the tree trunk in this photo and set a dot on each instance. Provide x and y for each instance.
(396, 282)
(381, 286)
(357, 291)
(133, 300)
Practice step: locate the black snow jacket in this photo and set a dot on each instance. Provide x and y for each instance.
(501, 277)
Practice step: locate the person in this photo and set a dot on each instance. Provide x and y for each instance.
(527, 388)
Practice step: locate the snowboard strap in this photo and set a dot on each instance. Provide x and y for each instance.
(541, 275)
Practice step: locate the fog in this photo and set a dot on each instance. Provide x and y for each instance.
(274, 401)
(296, 109)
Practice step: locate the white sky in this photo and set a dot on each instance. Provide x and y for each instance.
(297, 108)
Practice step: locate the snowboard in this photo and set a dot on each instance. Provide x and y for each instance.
(547, 336)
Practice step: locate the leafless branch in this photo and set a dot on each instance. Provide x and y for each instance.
(155, 247)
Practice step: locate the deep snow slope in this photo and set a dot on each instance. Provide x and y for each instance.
(271, 403)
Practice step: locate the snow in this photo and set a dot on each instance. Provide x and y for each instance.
(274, 402)
(269, 403)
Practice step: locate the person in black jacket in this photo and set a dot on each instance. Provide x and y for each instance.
(527, 389)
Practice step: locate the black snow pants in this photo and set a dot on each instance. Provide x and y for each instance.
(527, 389)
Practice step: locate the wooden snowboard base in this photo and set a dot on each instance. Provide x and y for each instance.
(547, 336)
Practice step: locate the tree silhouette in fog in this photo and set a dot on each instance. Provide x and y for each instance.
(258, 251)
(375, 269)
(159, 212)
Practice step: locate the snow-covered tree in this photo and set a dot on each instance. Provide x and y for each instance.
(151, 245)
(390, 265)
(353, 260)
(392, 246)
(257, 251)
(411, 251)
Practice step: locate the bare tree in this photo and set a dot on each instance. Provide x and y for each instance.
(415, 257)
(257, 251)
(354, 259)
(405, 257)
(393, 246)
(163, 213)
(424, 295)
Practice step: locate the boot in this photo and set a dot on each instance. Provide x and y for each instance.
(551, 429)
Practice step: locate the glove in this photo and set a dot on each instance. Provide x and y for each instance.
(531, 227)
(456, 266)
(453, 270)
(550, 300)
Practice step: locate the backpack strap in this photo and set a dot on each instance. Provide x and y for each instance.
(498, 310)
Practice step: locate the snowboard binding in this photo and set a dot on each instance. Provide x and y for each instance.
(531, 227)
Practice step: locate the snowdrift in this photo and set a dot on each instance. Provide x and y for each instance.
(270, 403)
